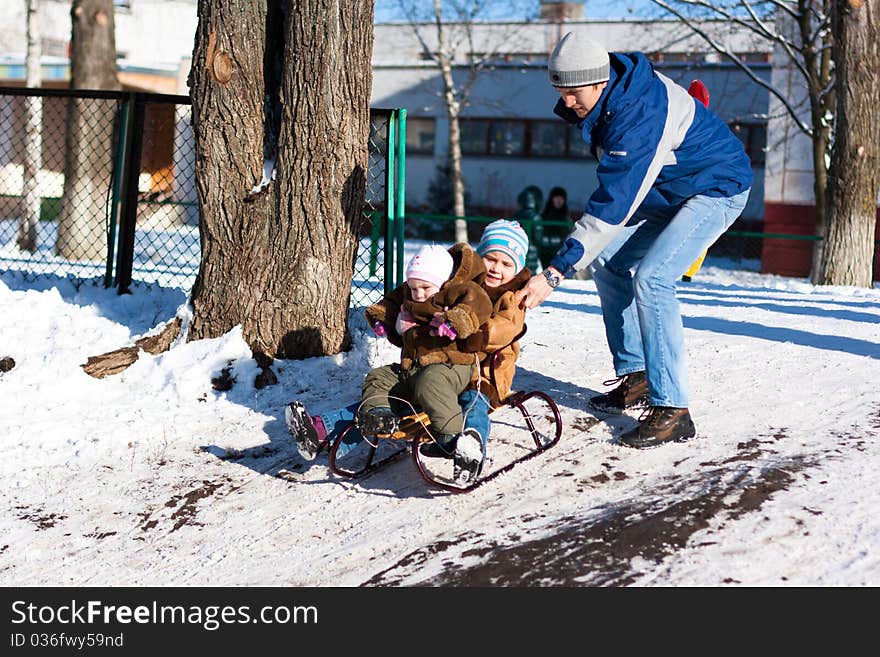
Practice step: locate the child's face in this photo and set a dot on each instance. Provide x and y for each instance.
(500, 268)
(421, 290)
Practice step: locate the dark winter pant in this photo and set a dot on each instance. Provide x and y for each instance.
(434, 389)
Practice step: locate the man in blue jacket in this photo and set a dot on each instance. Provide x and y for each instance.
(672, 178)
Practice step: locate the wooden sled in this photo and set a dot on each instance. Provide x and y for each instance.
(414, 431)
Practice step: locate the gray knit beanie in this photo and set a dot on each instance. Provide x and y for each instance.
(577, 62)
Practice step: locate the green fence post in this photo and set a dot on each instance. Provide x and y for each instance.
(389, 203)
(400, 205)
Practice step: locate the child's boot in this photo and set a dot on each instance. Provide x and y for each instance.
(306, 433)
(443, 447)
(376, 421)
(470, 455)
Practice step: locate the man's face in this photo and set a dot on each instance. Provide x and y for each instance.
(581, 99)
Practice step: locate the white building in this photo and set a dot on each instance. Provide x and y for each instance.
(511, 138)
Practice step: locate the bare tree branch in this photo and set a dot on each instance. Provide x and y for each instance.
(804, 127)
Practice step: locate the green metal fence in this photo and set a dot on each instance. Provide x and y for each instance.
(104, 191)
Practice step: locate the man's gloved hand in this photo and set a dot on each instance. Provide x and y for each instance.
(405, 321)
(442, 327)
(566, 113)
(379, 328)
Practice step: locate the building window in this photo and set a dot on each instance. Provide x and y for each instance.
(577, 147)
(474, 136)
(753, 57)
(420, 136)
(548, 138)
(754, 139)
(507, 57)
(663, 57)
(556, 139)
(507, 138)
(521, 138)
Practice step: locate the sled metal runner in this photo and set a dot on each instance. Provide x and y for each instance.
(419, 435)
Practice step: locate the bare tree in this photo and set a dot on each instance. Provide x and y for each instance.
(446, 31)
(89, 151)
(854, 178)
(33, 135)
(280, 95)
(801, 30)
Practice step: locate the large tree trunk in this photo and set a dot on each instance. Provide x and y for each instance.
(89, 155)
(278, 257)
(854, 177)
(33, 135)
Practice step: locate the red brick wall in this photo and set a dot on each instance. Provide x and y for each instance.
(792, 257)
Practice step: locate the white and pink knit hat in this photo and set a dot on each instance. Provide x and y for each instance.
(432, 263)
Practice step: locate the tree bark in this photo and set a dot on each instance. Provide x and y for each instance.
(854, 178)
(453, 112)
(455, 163)
(280, 87)
(89, 153)
(33, 135)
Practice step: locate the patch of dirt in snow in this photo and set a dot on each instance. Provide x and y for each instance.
(606, 546)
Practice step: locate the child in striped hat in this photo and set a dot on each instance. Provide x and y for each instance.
(503, 248)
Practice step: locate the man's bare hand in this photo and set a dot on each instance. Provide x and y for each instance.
(534, 292)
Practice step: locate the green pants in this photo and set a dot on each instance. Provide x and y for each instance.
(433, 389)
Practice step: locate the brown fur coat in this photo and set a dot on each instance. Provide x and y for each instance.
(497, 339)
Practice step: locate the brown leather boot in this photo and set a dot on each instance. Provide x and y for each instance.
(659, 425)
(631, 392)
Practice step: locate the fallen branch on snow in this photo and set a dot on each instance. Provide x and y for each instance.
(114, 362)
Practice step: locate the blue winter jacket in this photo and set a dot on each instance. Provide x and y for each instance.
(657, 147)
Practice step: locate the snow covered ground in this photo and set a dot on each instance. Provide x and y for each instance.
(152, 477)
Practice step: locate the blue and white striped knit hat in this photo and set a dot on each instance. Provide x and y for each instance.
(509, 238)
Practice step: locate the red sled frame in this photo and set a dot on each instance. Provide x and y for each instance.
(516, 400)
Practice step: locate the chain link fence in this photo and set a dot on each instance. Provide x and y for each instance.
(48, 137)
(100, 186)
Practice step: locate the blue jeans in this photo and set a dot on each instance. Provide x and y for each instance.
(474, 406)
(335, 422)
(636, 276)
